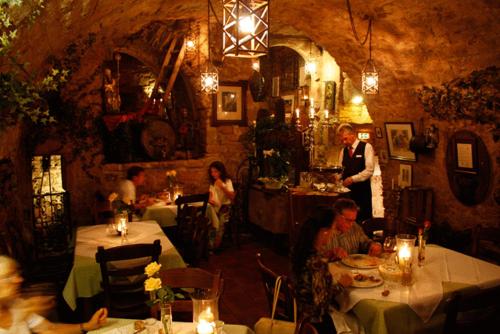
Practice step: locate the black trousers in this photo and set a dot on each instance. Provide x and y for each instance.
(361, 193)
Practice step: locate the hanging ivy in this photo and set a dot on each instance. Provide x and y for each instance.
(475, 97)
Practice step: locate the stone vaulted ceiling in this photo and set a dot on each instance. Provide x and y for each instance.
(414, 42)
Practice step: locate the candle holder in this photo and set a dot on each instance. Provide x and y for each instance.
(405, 244)
(177, 192)
(205, 311)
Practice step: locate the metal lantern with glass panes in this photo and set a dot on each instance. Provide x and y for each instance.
(51, 226)
(245, 28)
(369, 78)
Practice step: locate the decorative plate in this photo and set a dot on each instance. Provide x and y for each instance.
(362, 261)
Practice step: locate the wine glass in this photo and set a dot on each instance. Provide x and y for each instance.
(389, 247)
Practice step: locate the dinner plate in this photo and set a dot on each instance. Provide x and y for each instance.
(362, 261)
(366, 281)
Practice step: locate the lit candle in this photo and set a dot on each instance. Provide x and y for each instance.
(312, 102)
(311, 112)
(297, 113)
(204, 327)
(206, 315)
(404, 255)
(326, 113)
(122, 225)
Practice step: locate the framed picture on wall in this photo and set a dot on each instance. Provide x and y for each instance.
(330, 92)
(229, 104)
(398, 140)
(289, 101)
(405, 176)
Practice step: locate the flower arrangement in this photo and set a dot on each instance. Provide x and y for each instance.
(171, 177)
(425, 230)
(157, 292)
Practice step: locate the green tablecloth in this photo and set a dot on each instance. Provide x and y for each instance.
(119, 326)
(84, 280)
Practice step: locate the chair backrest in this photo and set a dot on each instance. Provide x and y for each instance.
(284, 307)
(485, 243)
(192, 278)
(192, 227)
(123, 281)
(306, 327)
(476, 312)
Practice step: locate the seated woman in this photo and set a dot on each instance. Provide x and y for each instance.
(221, 196)
(315, 287)
(19, 316)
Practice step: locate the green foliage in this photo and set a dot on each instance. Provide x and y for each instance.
(22, 97)
(475, 97)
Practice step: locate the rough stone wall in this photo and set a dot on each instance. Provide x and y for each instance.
(415, 43)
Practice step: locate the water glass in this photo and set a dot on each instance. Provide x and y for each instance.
(166, 318)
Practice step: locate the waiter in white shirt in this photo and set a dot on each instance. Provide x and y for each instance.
(357, 158)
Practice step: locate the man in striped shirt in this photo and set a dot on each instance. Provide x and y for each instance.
(346, 236)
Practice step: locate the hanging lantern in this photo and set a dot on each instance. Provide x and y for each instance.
(310, 66)
(245, 28)
(369, 78)
(190, 40)
(210, 81)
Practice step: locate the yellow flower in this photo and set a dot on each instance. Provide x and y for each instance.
(152, 268)
(112, 197)
(152, 284)
(174, 173)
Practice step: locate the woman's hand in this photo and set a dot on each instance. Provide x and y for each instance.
(97, 321)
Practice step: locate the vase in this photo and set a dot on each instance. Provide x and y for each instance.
(166, 317)
(421, 251)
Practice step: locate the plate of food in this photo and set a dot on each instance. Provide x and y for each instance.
(362, 261)
(366, 280)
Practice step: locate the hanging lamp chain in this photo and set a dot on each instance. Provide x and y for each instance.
(353, 27)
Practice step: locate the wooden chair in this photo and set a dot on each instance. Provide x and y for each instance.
(305, 327)
(485, 243)
(476, 312)
(103, 212)
(192, 227)
(198, 279)
(123, 283)
(284, 307)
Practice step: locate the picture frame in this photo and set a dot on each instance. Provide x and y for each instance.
(275, 91)
(330, 93)
(405, 175)
(378, 132)
(229, 104)
(398, 136)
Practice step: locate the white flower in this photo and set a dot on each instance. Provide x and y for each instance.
(152, 268)
(152, 284)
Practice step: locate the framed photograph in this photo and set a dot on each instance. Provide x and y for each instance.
(405, 176)
(229, 104)
(276, 86)
(378, 132)
(330, 92)
(398, 140)
(289, 104)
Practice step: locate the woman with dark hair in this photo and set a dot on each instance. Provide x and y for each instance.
(221, 196)
(315, 287)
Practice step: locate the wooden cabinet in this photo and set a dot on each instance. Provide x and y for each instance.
(268, 209)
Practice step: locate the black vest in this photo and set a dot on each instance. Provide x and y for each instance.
(356, 164)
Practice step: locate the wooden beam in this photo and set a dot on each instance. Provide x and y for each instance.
(164, 65)
(175, 70)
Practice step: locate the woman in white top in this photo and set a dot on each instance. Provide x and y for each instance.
(221, 196)
(19, 316)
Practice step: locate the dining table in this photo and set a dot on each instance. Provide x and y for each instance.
(84, 280)
(420, 306)
(126, 326)
(165, 214)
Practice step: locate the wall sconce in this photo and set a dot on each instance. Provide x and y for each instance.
(191, 38)
(245, 28)
(432, 137)
(310, 66)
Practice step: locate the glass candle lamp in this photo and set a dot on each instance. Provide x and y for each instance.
(405, 244)
(205, 313)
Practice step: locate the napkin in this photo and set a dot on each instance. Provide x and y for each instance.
(346, 323)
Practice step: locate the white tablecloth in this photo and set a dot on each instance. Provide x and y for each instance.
(84, 279)
(165, 214)
(125, 326)
(442, 265)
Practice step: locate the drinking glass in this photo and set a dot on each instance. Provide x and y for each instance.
(166, 317)
(389, 244)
